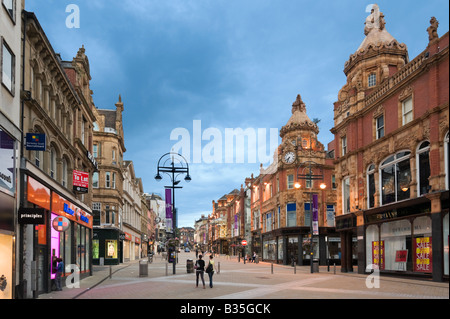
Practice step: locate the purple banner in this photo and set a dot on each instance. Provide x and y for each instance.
(235, 221)
(169, 203)
(315, 214)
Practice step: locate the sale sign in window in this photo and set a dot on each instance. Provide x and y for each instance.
(422, 254)
(378, 254)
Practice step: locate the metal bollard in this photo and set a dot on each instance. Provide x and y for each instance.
(335, 268)
(271, 268)
(218, 268)
(295, 268)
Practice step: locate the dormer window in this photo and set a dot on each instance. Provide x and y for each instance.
(372, 79)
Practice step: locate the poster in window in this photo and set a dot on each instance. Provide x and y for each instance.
(111, 248)
(378, 254)
(423, 261)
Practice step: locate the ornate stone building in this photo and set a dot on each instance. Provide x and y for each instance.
(299, 180)
(391, 137)
(107, 184)
(57, 119)
(10, 139)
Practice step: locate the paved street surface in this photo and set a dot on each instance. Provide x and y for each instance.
(239, 281)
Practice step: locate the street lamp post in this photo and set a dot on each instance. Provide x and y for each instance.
(310, 177)
(173, 164)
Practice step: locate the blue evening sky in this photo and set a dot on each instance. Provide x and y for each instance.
(227, 63)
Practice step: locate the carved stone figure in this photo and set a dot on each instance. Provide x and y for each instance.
(432, 29)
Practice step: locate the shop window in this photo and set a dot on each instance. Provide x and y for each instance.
(371, 186)
(423, 168)
(395, 240)
(374, 251)
(395, 175)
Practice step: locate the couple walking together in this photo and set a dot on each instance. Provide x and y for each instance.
(200, 269)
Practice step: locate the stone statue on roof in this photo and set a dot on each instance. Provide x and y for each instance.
(375, 20)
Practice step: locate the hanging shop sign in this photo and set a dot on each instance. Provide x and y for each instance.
(91, 158)
(60, 224)
(80, 181)
(31, 216)
(35, 142)
(7, 163)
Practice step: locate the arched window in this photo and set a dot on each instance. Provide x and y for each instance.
(395, 178)
(423, 168)
(64, 172)
(52, 162)
(371, 186)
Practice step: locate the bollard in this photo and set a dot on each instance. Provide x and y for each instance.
(271, 268)
(295, 268)
(218, 268)
(335, 268)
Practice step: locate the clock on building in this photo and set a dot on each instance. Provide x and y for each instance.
(289, 157)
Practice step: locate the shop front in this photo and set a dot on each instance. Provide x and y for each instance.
(65, 232)
(409, 238)
(106, 247)
(7, 213)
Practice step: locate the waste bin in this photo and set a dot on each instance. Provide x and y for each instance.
(315, 265)
(189, 266)
(143, 268)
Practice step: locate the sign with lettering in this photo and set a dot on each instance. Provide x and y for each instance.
(92, 159)
(32, 216)
(423, 261)
(378, 254)
(35, 142)
(401, 256)
(80, 181)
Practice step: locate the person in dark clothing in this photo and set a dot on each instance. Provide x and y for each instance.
(59, 272)
(200, 269)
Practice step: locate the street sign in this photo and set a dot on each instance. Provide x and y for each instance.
(244, 243)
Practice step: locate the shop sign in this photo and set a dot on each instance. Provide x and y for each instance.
(422, 254)
(91, 158)
(80, 181)
(64, 208)
(31, 216)
(60, 223)
(35, 142)
(7, 162)
(127, 236)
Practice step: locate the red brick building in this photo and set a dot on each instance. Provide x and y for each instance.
(392, 155)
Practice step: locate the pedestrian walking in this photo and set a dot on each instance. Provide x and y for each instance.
(200, 269)
(196, 253)
(210, 270)
(59, 272)
(253, 257)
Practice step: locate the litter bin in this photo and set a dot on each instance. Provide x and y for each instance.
(315, 265)
(143, 268)
(189, 266)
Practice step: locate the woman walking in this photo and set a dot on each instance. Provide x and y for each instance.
(210, 270)
(200, 268)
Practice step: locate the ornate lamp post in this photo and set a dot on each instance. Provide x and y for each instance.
(309, 176)
(173, 164)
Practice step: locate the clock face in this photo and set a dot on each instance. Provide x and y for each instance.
(289, 157)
